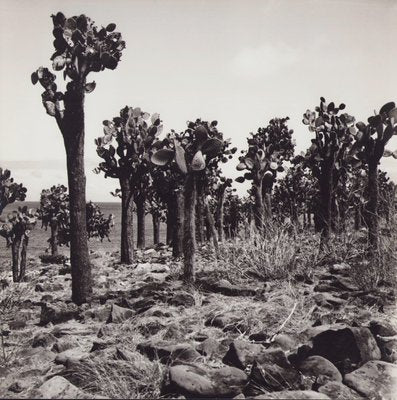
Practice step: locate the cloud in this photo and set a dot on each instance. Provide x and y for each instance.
(254, 62)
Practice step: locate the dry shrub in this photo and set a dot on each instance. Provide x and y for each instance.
(137, 378)
(281, 253)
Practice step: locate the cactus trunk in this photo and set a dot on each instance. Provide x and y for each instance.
(54, 238)
(156, 228)
(258, 207)
(189, 240)
(179, 227)
(19, 258)
(200, 214)
(73, 134)
(220, 213)
(212, 229)
(372, 207)
(127, 217)
(170, 221)
(140, 210)
(325, 205)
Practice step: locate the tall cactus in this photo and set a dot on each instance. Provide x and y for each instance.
(369, 147)
(16, 230)
(134, 133)
(54, 212)
(267, 151)
(9, 190)
(197, 145)
(327, 155)
(80, 48)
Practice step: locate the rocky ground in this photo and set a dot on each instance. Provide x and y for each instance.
(145, 335)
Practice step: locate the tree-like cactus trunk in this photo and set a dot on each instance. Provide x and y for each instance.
(140, 211)
(220, 213)
(22, 265)
(15, 246)
(200, 214)
(54, 238)
(127, 218)
(212, 229)
(156, 228)
(372, 207)
(170, 221)
(258, 207)
(73, 134)
(179, 227)
(189, 240)
(325, 205)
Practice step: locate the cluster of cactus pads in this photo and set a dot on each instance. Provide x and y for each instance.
(15, 229)
(9, 190)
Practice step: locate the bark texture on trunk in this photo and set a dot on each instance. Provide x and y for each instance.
(189, 240)
(156, 229)
(200, 214)
(73, 134)
(54, 238)
(180, 222)
(258, 207)
(325, 205)
(170, 221)
(19, 249)
(140, 210)
(127, 219)
(212, 229)
(372, 207)
(220, 213)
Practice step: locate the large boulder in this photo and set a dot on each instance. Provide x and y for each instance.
(346, 347)
(57, 313)
(193, 381)
(321, 369)
(337, 390)
(242, 354)
(375, 380)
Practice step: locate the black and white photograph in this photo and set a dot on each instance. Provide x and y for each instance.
(198, 199)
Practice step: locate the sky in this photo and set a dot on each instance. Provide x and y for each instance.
(238, 62)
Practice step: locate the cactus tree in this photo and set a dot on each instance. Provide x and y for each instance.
(268, 148)
(54, 212)
(134, 132)
(198, 144)
(16, 230)
(369, 147)
(9, 190)
(80, 48)
(327, 155)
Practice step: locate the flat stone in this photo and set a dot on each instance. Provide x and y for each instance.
(226, 288)
(59, 388)
(337, 390)
(198, 382)
(242, 354)
(294, 394)
(57, 313)
(168, 352)
(375, 380)
(119, 314)
(228, 322)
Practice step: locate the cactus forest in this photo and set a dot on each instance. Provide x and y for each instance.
(254, 266)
